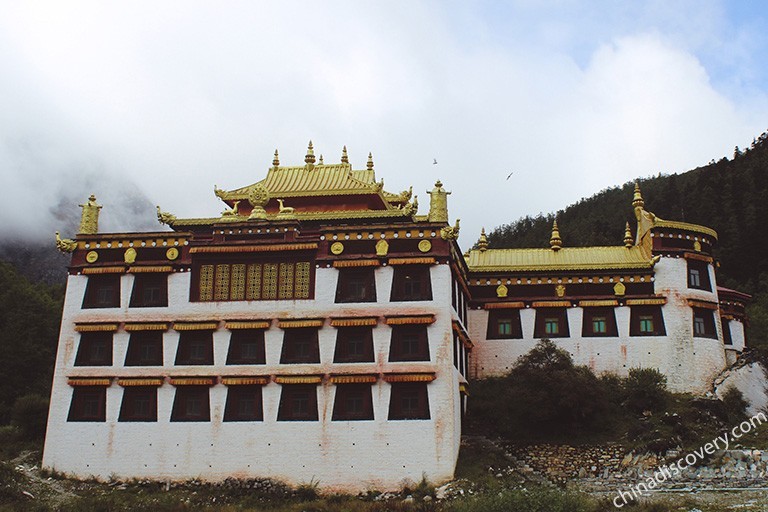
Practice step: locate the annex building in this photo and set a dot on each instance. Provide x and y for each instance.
(322, 329)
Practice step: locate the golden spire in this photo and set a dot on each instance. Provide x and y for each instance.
(344, 156)
(369, 166)
(320, 161)
(310, 158)
(482, 242)
(628, 240)
(89, 219)
(637, 200)
(554, 241)
(276, 160)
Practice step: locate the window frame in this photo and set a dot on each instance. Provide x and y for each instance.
(139, 340)
(543, 315)
(293, 338)
(236, 396)
(342, 396)
(706, 318)
(81, 397)
(635, 318)
(496, 317)
(131, 394)
(288, 395)
(237, 341)
(181, 401)
(348, 276)
(187, 341)
(402, 333)
(88, 342)
(589, 314)
(405, 278)
(417, 391)
(345, 336)
(702, 272)
(149, 281)
(102, 284)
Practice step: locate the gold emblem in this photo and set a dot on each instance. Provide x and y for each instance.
(560, 290)
(337, 248)
(130, 255)
(501, 291)
(425, 246)
(172, 253)
(91, 257)
(619, 289)
(382, 248)
(697, 246)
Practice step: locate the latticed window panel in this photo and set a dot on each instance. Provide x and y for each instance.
(221, 286)
(255, 281)
(253, 291)
(286, 281)
(302, 280)
(238, 282)
(269, 290)
(206, 282)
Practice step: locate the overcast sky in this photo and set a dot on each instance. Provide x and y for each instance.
(175, 97)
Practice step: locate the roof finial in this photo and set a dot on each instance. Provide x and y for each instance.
(276, 160)
(89, 219)
(310, 158)
(482, 242)
(344, 156)
(637, 200)
(554, 241)
(628, 240)
(320, 161)
(369, 166)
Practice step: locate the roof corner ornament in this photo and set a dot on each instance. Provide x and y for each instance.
(450, 232)
(65, 244)
(309, 159)
(344, 156)
(231, 213)
(219, 192)
(637, 201)
(412, 208)
(438, 203)
(555, 242)
(655, 260)
(482, 242)
(258, 196)
(165, 217)
(276, 160)
(628, 240)
(320, 160)
(89, 219)
(369, 165)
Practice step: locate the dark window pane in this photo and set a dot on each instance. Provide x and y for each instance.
(95, 349)
(300, 346)
(145, 348)
(411, 282)
(354, 345)
(409, 343)
(89, 403)
(356, 285)
(646, 321)
(149, 290)
(244, 403)
(139, 404)
(246, 346)
(704, 323)
(599, 322)
(698, 275)
(102, 291)
(195, 348)
(504, 324)
(353, 402)
(191, 403)
(551, 323)
(409, 401)
(298, 402)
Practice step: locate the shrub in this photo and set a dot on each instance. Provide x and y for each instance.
(29, 414)
(645, 390)
(735, 405)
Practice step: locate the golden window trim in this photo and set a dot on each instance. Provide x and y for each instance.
(413, 261)
(261, 380)
(504, 305)
(93, 381)
(297, 324)
(103, 270)
(598, 303)
(193, 381)
(355, 263)
(234, 325)
(698, 257)
(353, 379)
(252, 248)
(410, 320)
(354, 322)
(195, 326)
(728, 317)
(158, 269)
(703, 304)
(96, 327)
(409, 377)
(657, 301)
(140, 381)
(552, 304)
(464, 389)
(299, 379)
(146, 326)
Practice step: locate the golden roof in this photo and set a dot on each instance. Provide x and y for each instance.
(567, 258)
(685, 226)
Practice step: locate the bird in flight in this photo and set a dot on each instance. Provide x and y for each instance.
(434, 161)
(510, 175)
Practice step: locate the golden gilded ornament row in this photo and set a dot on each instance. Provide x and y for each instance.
(536, 280)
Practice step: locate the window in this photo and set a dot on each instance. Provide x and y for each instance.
(246, 346)
(409, 401)
(195, 348)
(504, 324)
(149, 291)
(300, 346)
(191, 403)
(698, 275)
(145, 348)
(646, 321)
(95, 349)
(551, 323)
(244, 404)
(253, 281)
(298, 402)
(599, 322)
(411, 282)
(353, 402)
(89, 403)
(704, 323)
(354, 345)
(102, 291)
(356, 285)
(139, 404)
(727, 338)
(409, 343)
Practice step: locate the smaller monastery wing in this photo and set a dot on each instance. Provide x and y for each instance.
(567, 258)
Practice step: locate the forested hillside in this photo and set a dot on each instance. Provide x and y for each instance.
(730, 195)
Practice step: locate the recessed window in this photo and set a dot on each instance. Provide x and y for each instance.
(195, 348)
(139, 404)
(246, 346)
(599, 322)
(409, 343)
(504, 324)
(409, 401)
(354, 345)
(551, 323)
(244, 404)
(704, 323)
(646, 321)
(411, 282)
(698, 275)
(356, 285)
(89, 403)
(298, 402)
(191, 403)
(95, 349)
(149, 291)
(353, 402)
(727, 338)
(145, 348)
(102, 291)
(300, 346)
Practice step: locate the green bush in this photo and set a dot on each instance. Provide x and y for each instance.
(30, 414)
(735, 405)
(645, 390)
